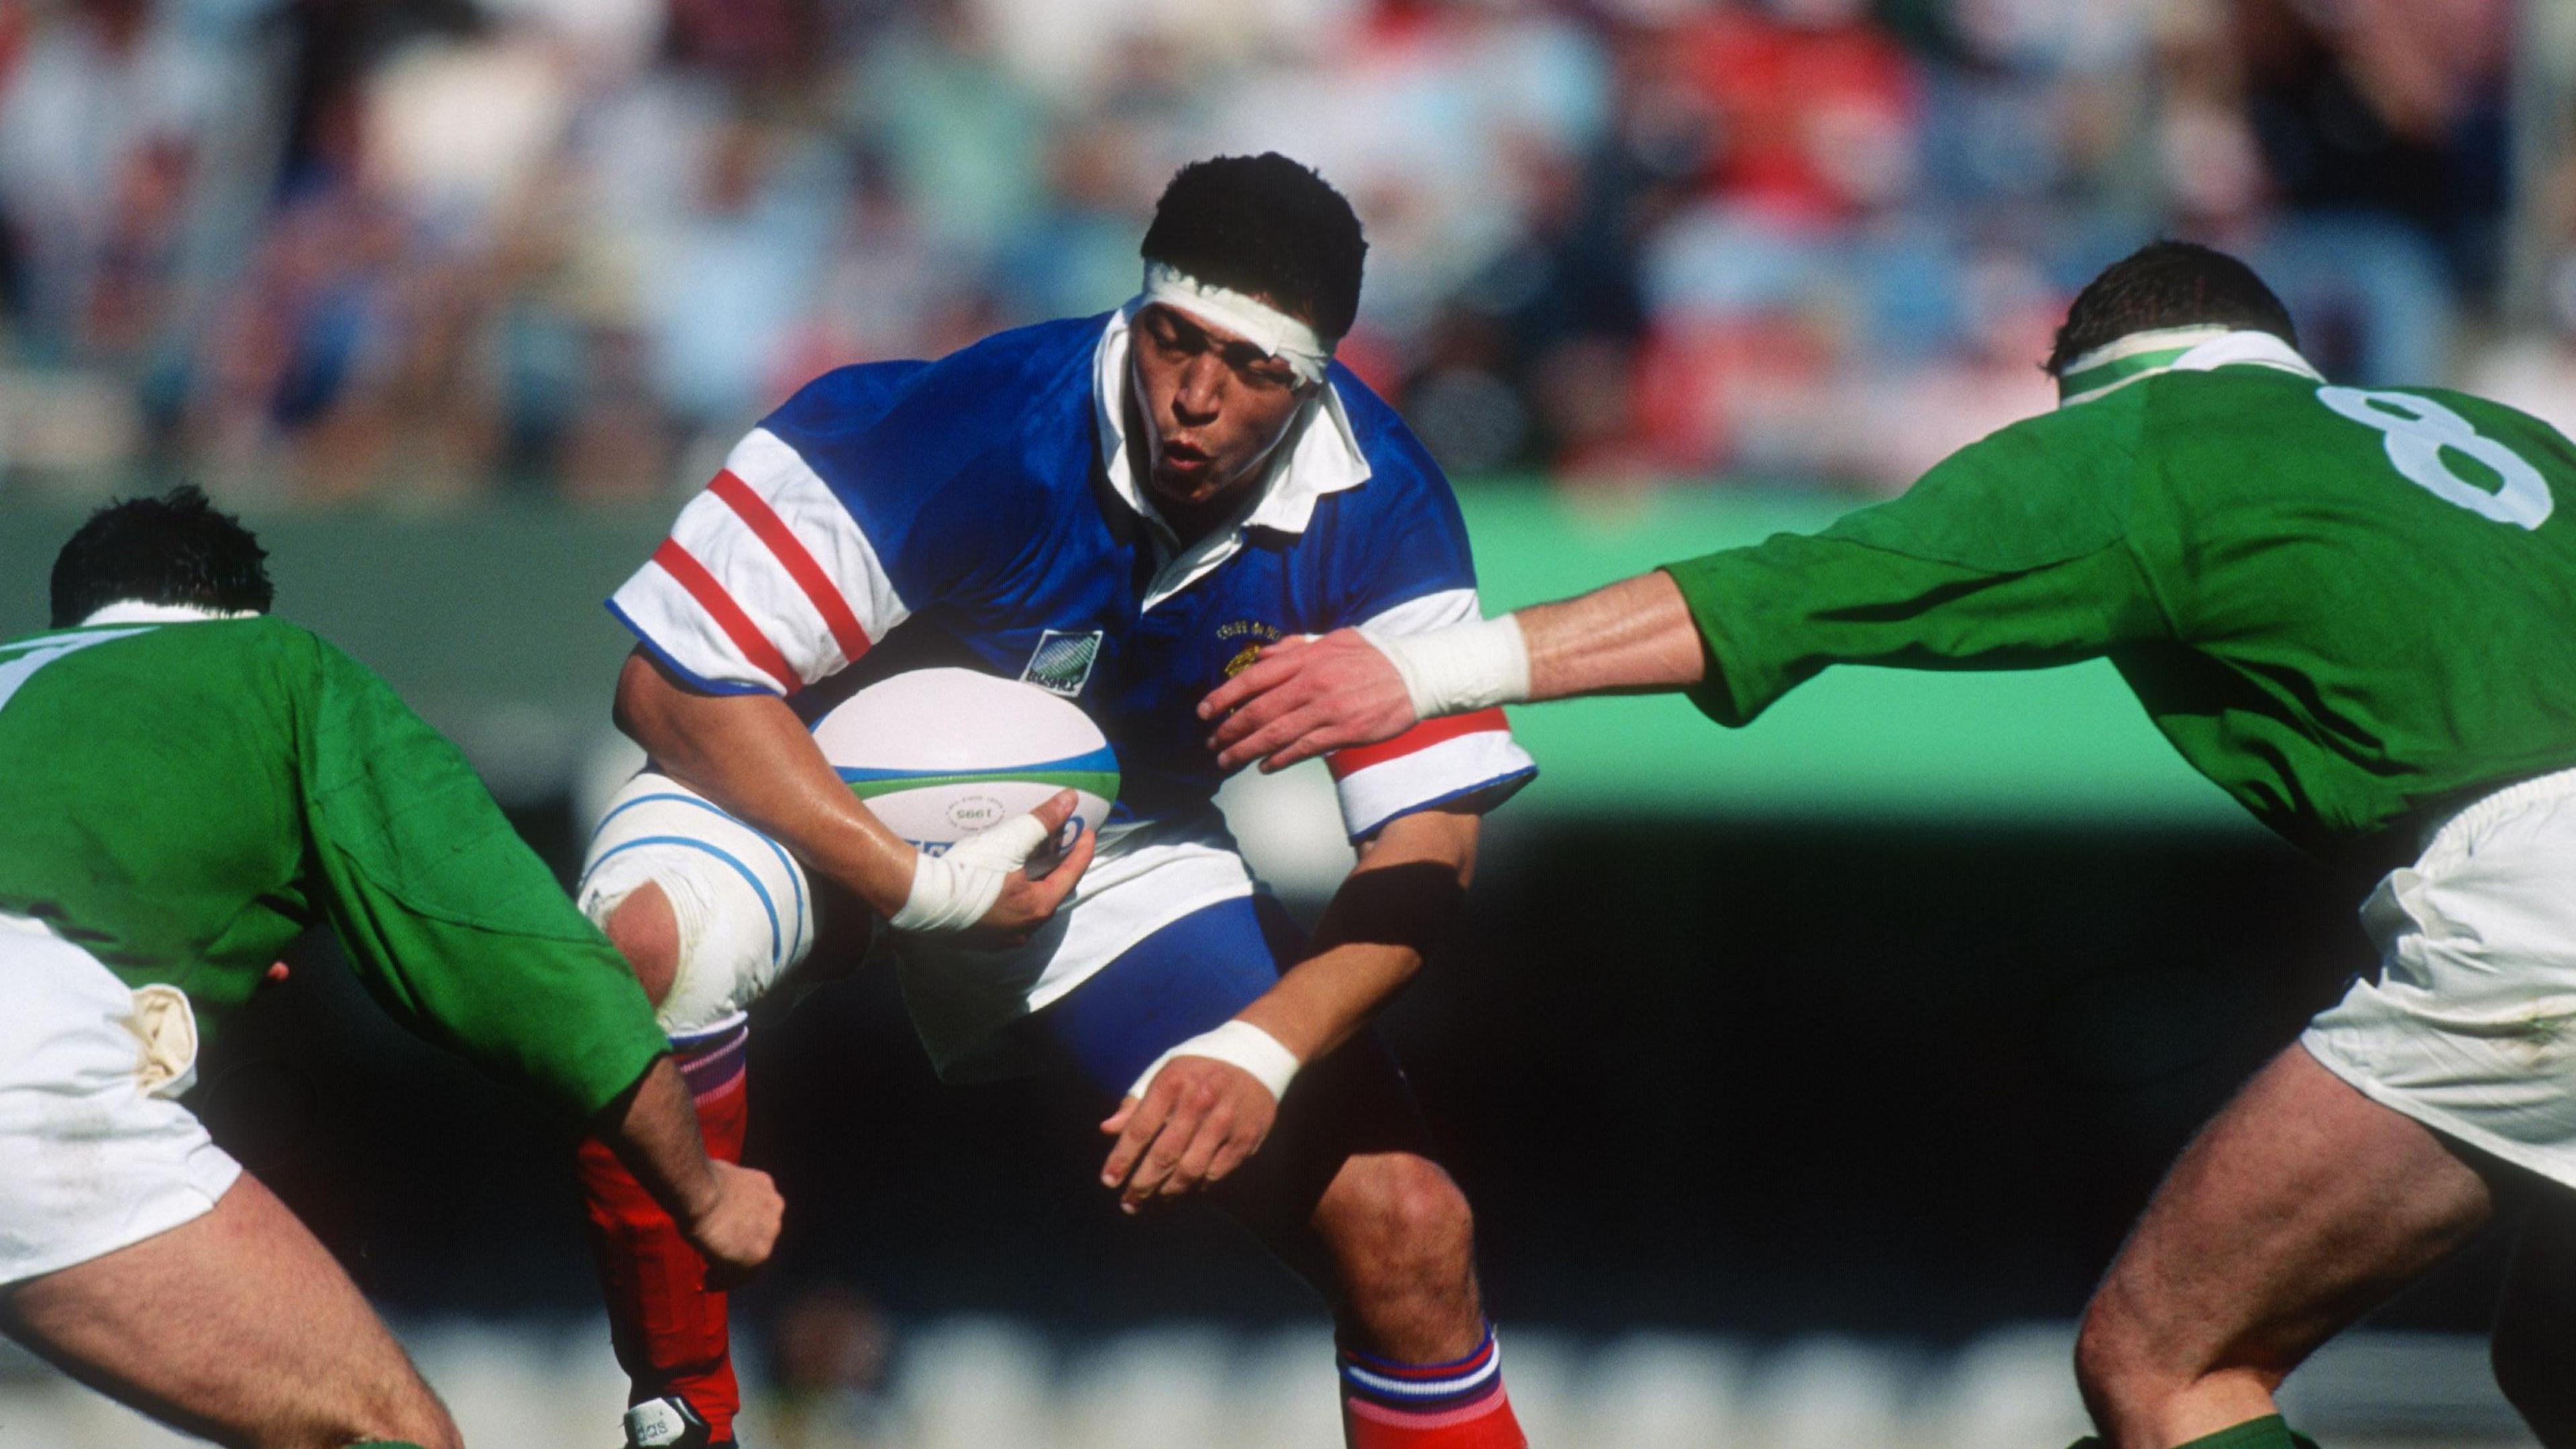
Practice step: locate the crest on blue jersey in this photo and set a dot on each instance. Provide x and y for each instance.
(1062, 662)
(1255, 635)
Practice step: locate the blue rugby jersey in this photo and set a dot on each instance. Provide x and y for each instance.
(981, 510)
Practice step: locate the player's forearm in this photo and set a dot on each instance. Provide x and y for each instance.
(753, 756)
(1326, 998)
(653, 1129)
(1375, 935)
(1632, 637)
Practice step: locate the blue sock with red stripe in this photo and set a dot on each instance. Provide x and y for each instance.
(1455, 1405)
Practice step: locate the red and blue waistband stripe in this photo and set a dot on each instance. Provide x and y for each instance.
(1424, 1387)
(715, 1061)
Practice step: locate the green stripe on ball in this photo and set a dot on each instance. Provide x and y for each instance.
(1103, 783)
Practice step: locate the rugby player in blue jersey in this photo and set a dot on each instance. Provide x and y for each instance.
(1120, 509)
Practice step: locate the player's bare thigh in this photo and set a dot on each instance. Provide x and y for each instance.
(237, 1325)
(646, 932)
(2302, 1205)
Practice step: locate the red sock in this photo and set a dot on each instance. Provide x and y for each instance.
(667, 1329)
(1455, 1405)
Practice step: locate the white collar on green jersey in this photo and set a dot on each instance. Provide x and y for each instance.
(2114, 365)
(135, 611)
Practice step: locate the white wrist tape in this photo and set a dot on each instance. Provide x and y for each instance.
(1459, 667)
(953, 891)
(1237, 1043)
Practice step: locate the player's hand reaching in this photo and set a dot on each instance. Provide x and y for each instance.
(1307, 697)
(1197, 1122)
(1002, 883)
(736, 1225)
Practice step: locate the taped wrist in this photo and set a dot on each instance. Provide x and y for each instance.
(953, 891)
(1237, 1043)
(1460, 667)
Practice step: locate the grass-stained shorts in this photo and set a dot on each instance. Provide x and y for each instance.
(2471, 1027)
(90, 1162)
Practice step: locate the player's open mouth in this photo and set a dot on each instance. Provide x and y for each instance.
(1182, 465)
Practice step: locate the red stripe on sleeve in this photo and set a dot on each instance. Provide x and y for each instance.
(792, 555)
(1421, 737)
(711, 596)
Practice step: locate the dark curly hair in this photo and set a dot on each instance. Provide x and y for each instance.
(174, 549)
(1267, 226)
(2168, 284)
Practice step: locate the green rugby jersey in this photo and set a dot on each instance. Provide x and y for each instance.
(2348, 608)
(182, 799)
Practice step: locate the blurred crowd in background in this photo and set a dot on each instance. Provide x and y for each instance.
(408, 252)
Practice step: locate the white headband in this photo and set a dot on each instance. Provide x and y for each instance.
(1275, 332)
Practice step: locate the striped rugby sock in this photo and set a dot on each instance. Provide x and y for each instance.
(670, 1334)
(1454, 1405)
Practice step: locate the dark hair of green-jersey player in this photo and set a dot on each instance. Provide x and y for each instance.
(175, 549)
(2167, 284)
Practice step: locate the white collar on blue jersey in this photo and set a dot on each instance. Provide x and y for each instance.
(1320, 455)
(2116, 364)
(135, 611)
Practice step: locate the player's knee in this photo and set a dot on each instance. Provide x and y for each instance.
(646, 931)
(2118, 1369)
(1406, 1217)
(2107, 1363)
(401, 1411)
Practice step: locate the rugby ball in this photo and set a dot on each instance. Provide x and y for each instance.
(939, 754)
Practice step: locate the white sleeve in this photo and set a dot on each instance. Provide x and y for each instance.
(766, 583)
(1459, 758)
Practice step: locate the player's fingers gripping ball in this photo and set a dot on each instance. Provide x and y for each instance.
(941, 755)
(961, 764)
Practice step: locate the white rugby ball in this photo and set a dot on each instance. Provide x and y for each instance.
(939, 754)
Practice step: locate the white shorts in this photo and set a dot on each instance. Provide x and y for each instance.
(745, 912)
(743, 905)
(2471, 1027)
(90, 1162)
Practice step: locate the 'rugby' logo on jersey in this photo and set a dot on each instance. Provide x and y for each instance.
(1062, 662)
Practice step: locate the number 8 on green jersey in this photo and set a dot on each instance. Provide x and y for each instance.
(2351, 609)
